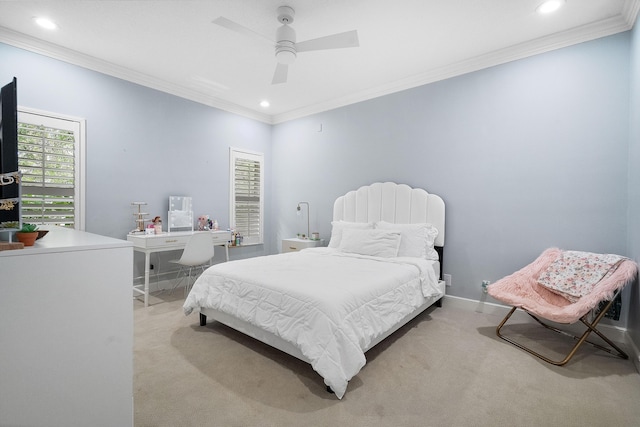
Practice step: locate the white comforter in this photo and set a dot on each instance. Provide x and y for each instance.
(329, 304)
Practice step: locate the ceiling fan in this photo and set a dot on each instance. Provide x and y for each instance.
(286, 47)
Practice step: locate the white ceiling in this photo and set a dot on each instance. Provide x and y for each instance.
(174, 47)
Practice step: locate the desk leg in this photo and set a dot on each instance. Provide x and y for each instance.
(147, 263)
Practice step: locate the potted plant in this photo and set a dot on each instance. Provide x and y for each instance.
(27, 234)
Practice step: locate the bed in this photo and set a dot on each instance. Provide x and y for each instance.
(327, 306)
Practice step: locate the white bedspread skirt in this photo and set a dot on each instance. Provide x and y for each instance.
(329, 304)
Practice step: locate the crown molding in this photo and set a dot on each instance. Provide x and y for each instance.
(630, 11)
(620, 23)
(44, 48)
(611, 26)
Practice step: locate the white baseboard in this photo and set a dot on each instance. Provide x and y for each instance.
(634, 353)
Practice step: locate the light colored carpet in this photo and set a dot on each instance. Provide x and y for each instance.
(445, 368)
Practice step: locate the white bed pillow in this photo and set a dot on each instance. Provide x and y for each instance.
(337, 227)
(417, 239)
(380, 243)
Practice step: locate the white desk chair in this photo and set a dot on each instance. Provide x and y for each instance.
(197, 254)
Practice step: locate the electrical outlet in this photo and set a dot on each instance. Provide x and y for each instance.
(485, 283)
(447, 279)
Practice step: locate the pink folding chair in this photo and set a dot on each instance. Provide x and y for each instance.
(523, 290)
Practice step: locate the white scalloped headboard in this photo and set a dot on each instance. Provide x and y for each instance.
(391, 202)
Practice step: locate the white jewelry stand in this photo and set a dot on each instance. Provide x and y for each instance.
(140, 216)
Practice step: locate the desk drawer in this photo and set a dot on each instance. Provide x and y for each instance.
(220, 238)
(163, 241)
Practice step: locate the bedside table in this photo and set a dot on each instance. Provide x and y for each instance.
(294, 244)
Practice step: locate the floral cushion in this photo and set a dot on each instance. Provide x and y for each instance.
(574, 274)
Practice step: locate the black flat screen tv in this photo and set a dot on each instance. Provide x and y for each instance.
(9, 148)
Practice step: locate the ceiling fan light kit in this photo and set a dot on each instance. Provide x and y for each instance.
(286, 47)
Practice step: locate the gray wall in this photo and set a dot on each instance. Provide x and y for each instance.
(142, 144)
(634, 179)
(526, 155)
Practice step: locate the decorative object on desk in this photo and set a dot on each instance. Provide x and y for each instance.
(315, 236)
(215, 224)
(157, 225)
(236, 238)
(139, 215)
(203, 223)
(27, 234)
(180, 214)
(299, 211)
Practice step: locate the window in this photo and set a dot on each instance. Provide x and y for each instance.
(50, 157)
(247, 195)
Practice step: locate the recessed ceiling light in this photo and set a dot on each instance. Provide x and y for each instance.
(550, 6)
(45, 23)
(264, 104)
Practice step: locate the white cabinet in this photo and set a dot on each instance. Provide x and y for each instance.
(66, 332)
(295, 244)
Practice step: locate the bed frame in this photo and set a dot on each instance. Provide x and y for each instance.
(390, 202)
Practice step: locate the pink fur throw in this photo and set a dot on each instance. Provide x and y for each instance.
(521, 289)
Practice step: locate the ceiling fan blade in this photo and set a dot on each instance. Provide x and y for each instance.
(280, 75)
(233, 26)
(335, 41)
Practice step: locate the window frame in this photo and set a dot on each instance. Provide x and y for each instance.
(78, 125)
(235, 154)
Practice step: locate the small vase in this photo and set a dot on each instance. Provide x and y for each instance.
(28, 239)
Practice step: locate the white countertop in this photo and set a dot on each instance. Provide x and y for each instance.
(61, 239)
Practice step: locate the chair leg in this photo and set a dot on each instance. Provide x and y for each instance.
(179, 279)
(187, 286)
(190, 282)
(591, 327)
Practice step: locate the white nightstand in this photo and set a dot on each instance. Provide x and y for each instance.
(295, 244)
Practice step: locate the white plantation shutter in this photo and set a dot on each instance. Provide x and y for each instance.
(247, 195)
(49, 159)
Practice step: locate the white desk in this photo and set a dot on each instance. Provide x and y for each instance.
(150, 243)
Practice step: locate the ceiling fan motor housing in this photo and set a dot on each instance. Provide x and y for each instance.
(286, 45)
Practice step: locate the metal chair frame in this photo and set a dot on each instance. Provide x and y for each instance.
(185, 272)
(591, 327)
(197, 254)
